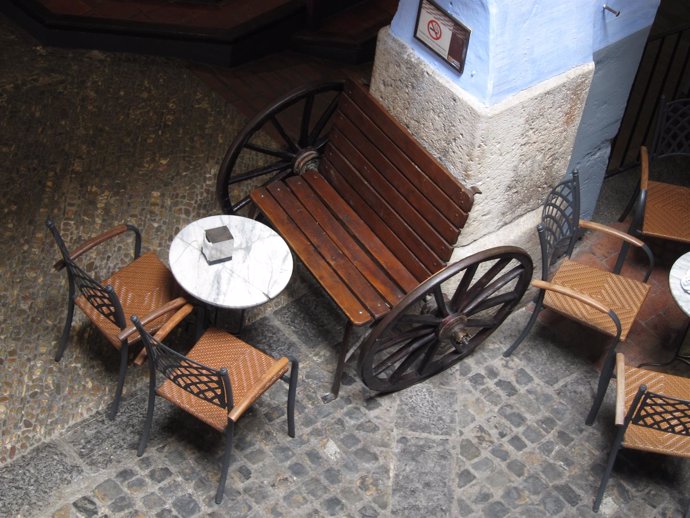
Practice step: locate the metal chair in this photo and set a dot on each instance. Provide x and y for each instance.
(652, 414)
(605, 301)
(662, 209)
(216, 382)
(142, 287)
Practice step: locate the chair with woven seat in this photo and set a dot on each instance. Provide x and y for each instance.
(603, 300)
(652, 414)
(216, 381)
(662, 210)
(143, 287)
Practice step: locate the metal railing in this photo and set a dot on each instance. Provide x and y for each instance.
(663, 70)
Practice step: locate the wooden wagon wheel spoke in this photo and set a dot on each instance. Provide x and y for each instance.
(306, 119)
(481, 283)
(283, 134)
(286, 131)
(492, 288)
(323, 120)
(278, 153)
(405, 350)
(414, 342)
(412, 357)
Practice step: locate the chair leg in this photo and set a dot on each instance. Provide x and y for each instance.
(621, 257)
(149, 418)
(532, 319)
(609, 467)
(124, 349)
(226, 461)
(292, 392)
(630, 205)
(604, 380)
(68, 324)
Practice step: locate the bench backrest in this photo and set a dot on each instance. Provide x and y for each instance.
(410, 201)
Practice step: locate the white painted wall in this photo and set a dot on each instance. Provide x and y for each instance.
(517, 44)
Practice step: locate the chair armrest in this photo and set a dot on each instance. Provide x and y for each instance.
(612, 232)
(625, 237)
(620, 388)
(101, 238)
(581, 297)
(173, 305)
(268, 379)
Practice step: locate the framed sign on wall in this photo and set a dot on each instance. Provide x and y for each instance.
(442, 34)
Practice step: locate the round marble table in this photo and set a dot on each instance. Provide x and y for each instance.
(260, 268)
(678, 271)
(682, 298)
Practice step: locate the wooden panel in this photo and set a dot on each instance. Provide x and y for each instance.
(402, 137)
(346, 243)
(340, 264)
(399, 193)
(357, 227)
(435, 212)
(400, 159)
(312, 258)
(343, 168)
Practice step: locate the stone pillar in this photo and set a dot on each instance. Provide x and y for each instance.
(508, 123)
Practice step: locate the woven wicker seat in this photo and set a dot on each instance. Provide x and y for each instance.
(143, 287)
(216, 382)
(652, 414)
(602, 300)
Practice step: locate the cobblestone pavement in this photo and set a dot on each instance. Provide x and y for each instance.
(93, 139)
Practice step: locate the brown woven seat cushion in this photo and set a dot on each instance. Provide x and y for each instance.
(251, 373)
(649, 439)
(625, 296)
(667, 212)
(142, 286)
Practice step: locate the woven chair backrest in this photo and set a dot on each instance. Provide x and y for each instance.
(208, 384)
(560, 218)
(663, 413)
(672, 134)
(102, 298)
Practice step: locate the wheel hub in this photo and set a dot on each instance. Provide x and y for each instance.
(452, 329)
(306, 159)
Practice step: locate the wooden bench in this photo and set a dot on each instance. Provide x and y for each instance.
(378, 217)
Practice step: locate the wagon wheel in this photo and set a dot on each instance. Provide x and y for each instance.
(284, 139)
(444, 319)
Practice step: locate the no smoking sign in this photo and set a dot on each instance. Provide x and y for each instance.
(443, 35)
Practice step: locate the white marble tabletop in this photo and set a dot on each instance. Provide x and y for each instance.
(678, 271)
(260, 268)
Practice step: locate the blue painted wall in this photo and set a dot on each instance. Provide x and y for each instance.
(516, 44)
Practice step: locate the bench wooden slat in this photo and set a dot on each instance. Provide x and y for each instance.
(376, 223)
(357, 227)
(341, 265)
(413, 215)
(399, 134)
(345, 133)
(346, 243)
(323, 272)
(406, 167)
(339, 171)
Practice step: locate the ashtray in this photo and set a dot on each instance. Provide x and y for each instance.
(217, 245)
(685, 282)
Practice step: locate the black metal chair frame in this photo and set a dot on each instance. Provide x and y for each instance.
(102, 298)
(646, 410)
(208, 384)
(558, 231)
(671, 139)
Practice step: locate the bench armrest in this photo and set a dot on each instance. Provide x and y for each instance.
(101, 238)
